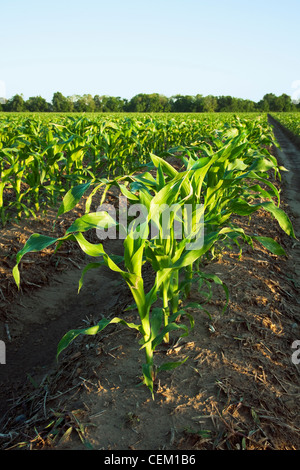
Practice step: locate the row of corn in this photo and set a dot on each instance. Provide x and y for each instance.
(43, 155)
(289, 120)
(220, 176)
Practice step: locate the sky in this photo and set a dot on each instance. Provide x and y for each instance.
(121, 48)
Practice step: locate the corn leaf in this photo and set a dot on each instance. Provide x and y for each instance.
(72, 198)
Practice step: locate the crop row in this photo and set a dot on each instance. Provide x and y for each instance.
(42, 156)
(225, 171)
(289, 120)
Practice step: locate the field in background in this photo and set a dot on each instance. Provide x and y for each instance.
(43, 154)
(290, 120)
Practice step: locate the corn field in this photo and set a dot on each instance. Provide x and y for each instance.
(290, 120)
(224, 168)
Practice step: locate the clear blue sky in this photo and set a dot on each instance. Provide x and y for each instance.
(121, 48)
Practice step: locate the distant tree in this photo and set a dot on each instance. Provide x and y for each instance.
(15, 104)
(156, 103)
(61, 104)
(148, 103)
(249, 106)
(225, 104)
(271, 102)
(37, 104)
(210, 104)
(183, 104)
(137, 104)
(237, 104)
(111, 104)
(198, 104)
(284, 103)
(98, 105)
(263, 105)
(84, 103)
(153, 102)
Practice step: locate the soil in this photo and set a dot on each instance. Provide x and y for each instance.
(238, 389)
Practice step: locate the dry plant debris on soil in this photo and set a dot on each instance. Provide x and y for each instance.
(238, 389)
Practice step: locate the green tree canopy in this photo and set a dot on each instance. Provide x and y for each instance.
(84, 103)
(61, 104)
(148, 103)
(16, 104)
(183, 104)
(109, 104)
(37, 104)
(210, 104)
(151, 103)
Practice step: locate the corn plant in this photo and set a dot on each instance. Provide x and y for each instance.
(218, 179)
(134, 246)
(289, 120)
(44, 155)
(167, 255)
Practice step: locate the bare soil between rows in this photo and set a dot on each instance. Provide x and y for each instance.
(238, 388)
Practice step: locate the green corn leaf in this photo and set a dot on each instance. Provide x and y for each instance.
(172, 326)
(128, 194)
(188, 257)
(92, 330)
(93, 220)
(97, 265)
(72, 198)
(90, 249)
(241, 207)
(147, 179)
(133, 279)
(36, 242)
(271, 245)
(263, 192)
(230, 133)
(155, 324)
(98, 250)
(167, 168)
(171, 365)
(148, 377)
(281, 217)
(200, 163)
(218, 281)
(134, 247)
(261, 164)
(88, 203)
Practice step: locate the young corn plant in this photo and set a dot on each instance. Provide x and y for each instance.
(151, 327)
(171, 250)
(215, 184)
(222, 183)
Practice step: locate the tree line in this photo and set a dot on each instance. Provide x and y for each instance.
(149, 103)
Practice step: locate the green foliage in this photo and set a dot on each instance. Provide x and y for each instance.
(150, 103)
(290, 121)
(16, 104)
(42, 156)
(61, 104)
(224, 163)
(37, 104)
